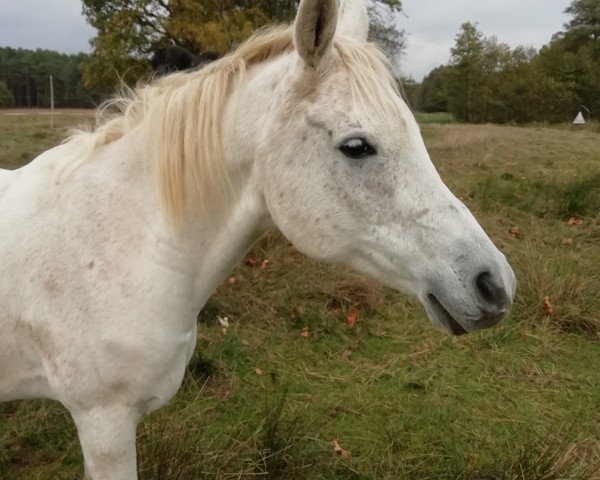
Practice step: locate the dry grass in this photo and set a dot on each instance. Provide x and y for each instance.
(24, 135)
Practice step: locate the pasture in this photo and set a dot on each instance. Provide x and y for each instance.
(271, 388)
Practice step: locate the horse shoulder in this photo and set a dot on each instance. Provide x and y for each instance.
(90, 278)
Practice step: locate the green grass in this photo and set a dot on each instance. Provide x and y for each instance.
(518, 402)
(555, 199)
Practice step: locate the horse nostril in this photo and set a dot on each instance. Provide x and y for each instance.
(490, 291)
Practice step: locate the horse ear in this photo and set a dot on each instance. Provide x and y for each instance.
(354, 20)
(314, 29)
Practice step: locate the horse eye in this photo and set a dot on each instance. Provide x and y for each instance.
(357, 148)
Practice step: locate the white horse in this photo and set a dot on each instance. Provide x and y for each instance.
(111, 243)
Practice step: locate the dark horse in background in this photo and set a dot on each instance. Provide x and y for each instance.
(174, 59)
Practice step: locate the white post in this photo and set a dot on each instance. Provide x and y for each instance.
(51, 103)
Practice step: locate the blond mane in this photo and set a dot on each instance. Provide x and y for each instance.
(184, 111)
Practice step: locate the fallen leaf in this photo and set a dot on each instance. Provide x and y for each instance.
(258, 371)
(567, 242)
(351, 318)
(339, 450)
(304, 332)
(514, 232)
(574, 221)
(231, 280)
(264, 264)
(250, 261)
(548, 306)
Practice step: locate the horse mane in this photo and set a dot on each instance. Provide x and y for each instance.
(183, 112)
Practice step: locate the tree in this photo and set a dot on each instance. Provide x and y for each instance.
(585, 24)
(129, 30)
(26, 73)
(467, 82)
(435, 90)
(486, 81)
(6, 97)
(383, 29)
(411, 91)
(572, 59)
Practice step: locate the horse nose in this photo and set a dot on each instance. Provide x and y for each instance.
(490, 290)
(493, 296)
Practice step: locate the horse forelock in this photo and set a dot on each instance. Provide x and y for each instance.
(183, 114)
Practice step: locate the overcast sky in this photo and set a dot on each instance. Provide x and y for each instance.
(431, 26)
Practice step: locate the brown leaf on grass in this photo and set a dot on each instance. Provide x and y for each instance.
(548, 308)
(574, 221)
(304, 333)
(250, 261)
(264, 264)
(514, 232)
(351, 318)
(345, 454)
(567, 242)
(231, 280)
(258, 371)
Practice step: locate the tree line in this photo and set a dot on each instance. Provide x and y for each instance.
(25, 82)
(487, 81)
(484, 81)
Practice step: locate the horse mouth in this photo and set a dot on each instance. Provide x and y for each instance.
(443, 316)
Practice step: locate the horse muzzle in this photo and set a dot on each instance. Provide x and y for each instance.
(467, 305)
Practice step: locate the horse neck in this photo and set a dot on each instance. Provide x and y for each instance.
(218, 242)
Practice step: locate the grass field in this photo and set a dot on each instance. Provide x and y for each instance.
(404, 401)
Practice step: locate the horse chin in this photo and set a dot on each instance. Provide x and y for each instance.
(440, 316)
